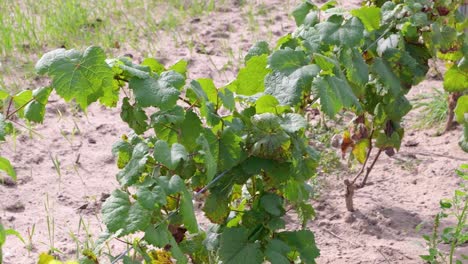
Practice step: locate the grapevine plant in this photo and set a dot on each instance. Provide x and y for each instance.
(242, 149)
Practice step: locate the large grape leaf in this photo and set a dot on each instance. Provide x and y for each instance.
(287, 60)
(357, 70)
(236, 248)
(455, 80)
(135, 117)
(406, 68)
(156, 91)
(190, 129)
(229, 150)
(122, 216)
(272, 204)
(216, 206)
(167, 117)
(277, 251)
(301, 12)
(334, 94)
(132, 171)
(169, 157)
(187, 211)
(85, 76)
(258, 49)
(270, 140)
(461, 110)
(209, 159)
(204, 93)
(250, 78)
(384, 72)
(289, 87)
(149, 198)
(369, 16)
(266, 104)
(397, 107)
(292, 123)
(334, 32)
(302, 241)
(161, 237)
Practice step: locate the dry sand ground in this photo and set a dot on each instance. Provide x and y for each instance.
(403, 191)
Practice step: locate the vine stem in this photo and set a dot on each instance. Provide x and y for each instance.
(27, 128)
(363, 183)
(17, 109)
(369, 150)
(9, 106)
(351, 186)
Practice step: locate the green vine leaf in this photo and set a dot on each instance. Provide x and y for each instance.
(266, 104)
(180, 67)
(161, 237)
(334, 32)
(21, 99)
(287, 60)
(258, 49)
(134, 116)
(383, 141)
(35, 110)
(357, 70)
(277, 252)
(150, 198)
(209, 159)
(124, 67)
(157, 92)
(250, 79)
(216, 206)
(273, 204)
(123, 217)
(270, 139)
(235, 247)
(335, 94)
(461, 110)
(229, 150)
(132, 171)
(5, 128)
(384, 72)
(302, 241)
(292, 123)
(455, 80)
(369, 16)
(154, 65)
(169, 157)
(301, 12)
(6, 166)
(174, 116)
(188, 212)
(288, 88)
(85, 76)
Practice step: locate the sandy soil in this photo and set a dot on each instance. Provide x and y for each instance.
(404, 190)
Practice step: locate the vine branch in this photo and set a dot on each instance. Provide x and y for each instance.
(17, 109)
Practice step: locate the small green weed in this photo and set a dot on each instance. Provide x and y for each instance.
(455, 209)
(434, 109)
